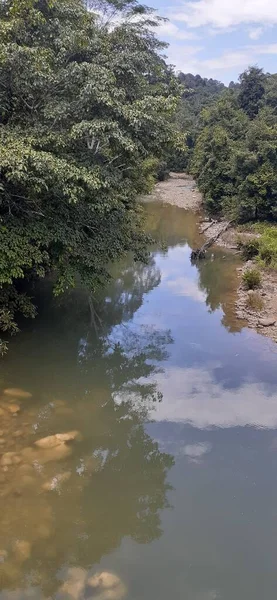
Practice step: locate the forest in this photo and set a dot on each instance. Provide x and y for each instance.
(91, 115)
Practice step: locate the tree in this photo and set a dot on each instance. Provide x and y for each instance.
(235, 155)
(252, 90)
(84, 108)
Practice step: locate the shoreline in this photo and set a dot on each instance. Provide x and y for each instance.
(181, 190)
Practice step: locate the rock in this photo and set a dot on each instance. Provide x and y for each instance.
(55, 483)
(74, 586)
(17, 393)
(7, 459)
(43, 456)
(22, 550)
(107, 586)
(51, 441)
(2, 441)
(18, 433)
(54, 440)
(13, 408)
(267, 322)
(69, 436)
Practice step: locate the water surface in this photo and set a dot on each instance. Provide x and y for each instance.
(173, 484)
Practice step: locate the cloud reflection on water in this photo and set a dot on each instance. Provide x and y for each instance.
(192, 396)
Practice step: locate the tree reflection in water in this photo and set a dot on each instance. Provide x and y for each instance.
(118, 484)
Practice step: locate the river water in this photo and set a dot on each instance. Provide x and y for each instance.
(171, 483)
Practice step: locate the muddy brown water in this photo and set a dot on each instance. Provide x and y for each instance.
(171, 484)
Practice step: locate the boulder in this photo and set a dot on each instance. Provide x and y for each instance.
(267, 322)
(17, 393)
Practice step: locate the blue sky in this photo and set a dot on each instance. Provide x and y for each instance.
(219, 38)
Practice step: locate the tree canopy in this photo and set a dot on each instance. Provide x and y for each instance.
(86, 104)
(235, 155)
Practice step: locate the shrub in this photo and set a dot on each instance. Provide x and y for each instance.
(268, 246)
(249, 247)
(251, 279)
(254, 302)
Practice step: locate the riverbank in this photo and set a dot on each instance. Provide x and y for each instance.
(181, 190)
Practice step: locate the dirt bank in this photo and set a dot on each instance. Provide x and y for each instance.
(259, 312)
(259, 307)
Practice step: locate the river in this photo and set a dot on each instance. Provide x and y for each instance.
(171, 482)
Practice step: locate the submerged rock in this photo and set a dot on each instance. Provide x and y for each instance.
(10, 458)
(52, 441)
(42, 456)
(22, 550)
(13, 408)
(73, 587)
(106, 586)
(17, 393)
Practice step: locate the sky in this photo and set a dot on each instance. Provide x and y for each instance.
(219, 38)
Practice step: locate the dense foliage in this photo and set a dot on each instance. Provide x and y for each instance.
(198, 93)
(86, 104)
(235, 156)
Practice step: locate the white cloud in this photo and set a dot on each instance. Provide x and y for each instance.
(223, 13)
(185, 59)
(255, 33)
(169, 29)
